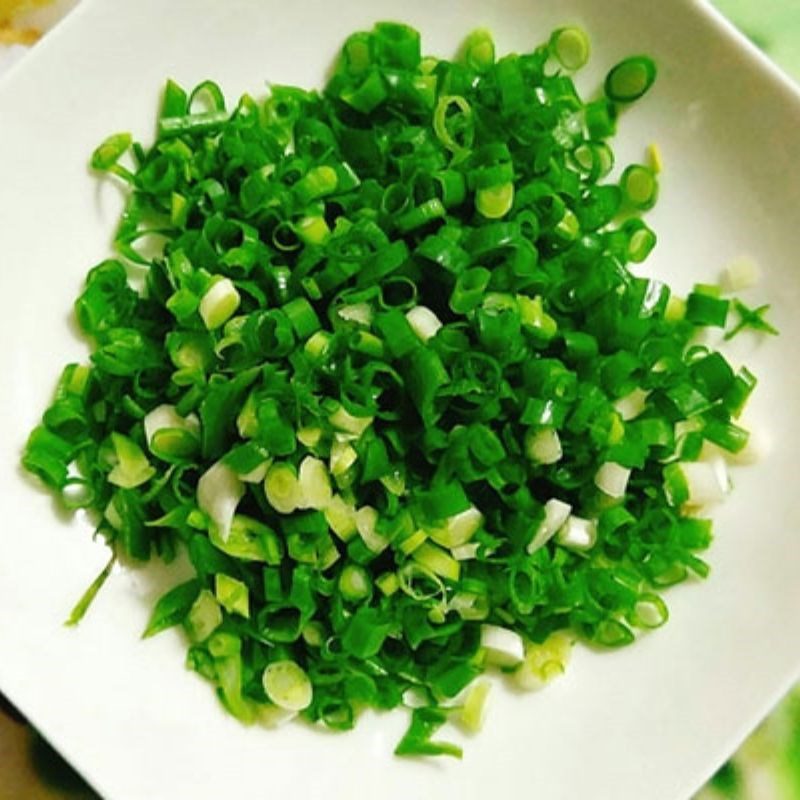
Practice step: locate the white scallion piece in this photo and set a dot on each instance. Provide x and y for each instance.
(342, 457)
(287, 685)
(282, 488)
(543, 446)
(349, 424)
(469, 606)
(273, 716)
(577, 533)
(612, 479)
(423, 322)
(257, 474)
(465, 552)
(219, 303)
(309, 436)
(341, 518)
(707, 482)
(458, 529)
(437, 560)
(759, 444)
(473, 708)
(696, 483)
(219, 491)
(556, 513)
(360, 313)
(165, 416)
(366, 520)
(504, 647)
(632, 404)
(544, 661)
(315, 485)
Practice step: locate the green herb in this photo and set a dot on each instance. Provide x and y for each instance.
(752, 319)
(390, 383)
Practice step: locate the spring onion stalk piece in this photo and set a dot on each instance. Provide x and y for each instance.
(282, 489)
(504, 647)
(314, 484)
(543, 445)
(478, 50)
(612, 479)
(82, 606)
(165, 417)
(464, 552)
(219, 303)
(639, 186)
(219, 491)
(341, 518)
(423, 322)
(392, 382)
(287, 685)
(232, 595)
(570, 47)
(556, 513)
(578, 533)
(473, 709)
(458, 529)
(132, 468)
(696, 483)
(756, 449)
(544, 661)
(494, 202)
(632, 404)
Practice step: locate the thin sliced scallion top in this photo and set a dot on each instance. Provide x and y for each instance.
(393, 383)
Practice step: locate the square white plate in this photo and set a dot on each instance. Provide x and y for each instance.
(652, 721)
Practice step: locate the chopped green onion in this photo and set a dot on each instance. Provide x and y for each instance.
(479, 50)
(752, 319)
(219, 491)
(639, 186)
(577, 533)
(373, 358)
(232, 595)
(544, 661)
(543, 446)
(282, 488)
(287, 685)
(473, 710)
(204, 617)
(503, 647)
(494, 202)
(132, 468)
(570, 47)
(630, 79)
(219, 303)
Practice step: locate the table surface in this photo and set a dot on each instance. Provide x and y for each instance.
(767, 766)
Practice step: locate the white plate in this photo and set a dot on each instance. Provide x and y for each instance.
(652, 721)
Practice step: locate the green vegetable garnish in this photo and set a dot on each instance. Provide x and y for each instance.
(751, 319)
(392, 385)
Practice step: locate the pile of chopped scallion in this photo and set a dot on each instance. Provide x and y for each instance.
(391, 385)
